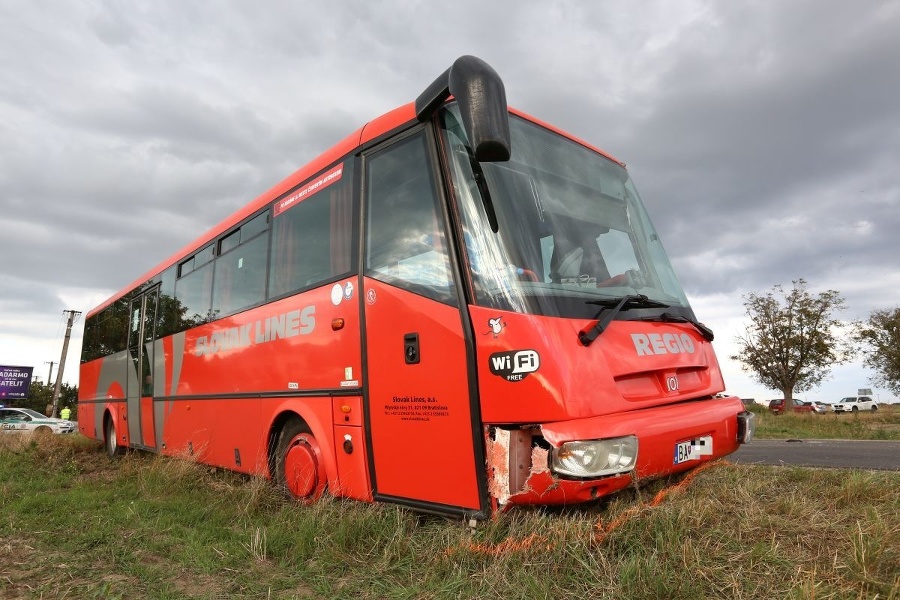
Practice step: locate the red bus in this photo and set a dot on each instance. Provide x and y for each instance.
(458, 308)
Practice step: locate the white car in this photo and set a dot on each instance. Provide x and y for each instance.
(24, 419)
(855, 404)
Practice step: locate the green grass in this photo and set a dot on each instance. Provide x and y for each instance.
(77, 525)
(884, 424)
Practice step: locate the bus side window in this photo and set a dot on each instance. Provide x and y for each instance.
(312, 242)
(405, 239)
(193, 292)
(240, 278)
(106, 333)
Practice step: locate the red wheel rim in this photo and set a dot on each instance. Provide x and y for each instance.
(302, 472)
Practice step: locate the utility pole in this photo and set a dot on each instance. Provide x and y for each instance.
(50, 372)
(62, 359)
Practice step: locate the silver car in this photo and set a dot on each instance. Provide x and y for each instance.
(19, 420)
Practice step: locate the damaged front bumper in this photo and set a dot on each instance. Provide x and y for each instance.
(527, 465)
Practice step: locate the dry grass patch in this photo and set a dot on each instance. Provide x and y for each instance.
(170, 528)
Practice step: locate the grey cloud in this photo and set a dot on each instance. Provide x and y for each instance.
(763, 137)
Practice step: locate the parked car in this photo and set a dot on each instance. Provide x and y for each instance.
(798, 406)
(20, 420)
(855, 404)
(821, 407)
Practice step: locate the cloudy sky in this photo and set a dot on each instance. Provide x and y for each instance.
(764, 136)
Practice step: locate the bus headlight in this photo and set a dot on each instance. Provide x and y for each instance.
(596, 458)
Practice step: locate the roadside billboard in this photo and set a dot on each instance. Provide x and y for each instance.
(14, 382)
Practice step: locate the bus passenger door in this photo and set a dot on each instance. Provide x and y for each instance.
(424, 429)
(141, 334)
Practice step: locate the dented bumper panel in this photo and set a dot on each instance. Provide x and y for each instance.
(520, 473)
(519, 460)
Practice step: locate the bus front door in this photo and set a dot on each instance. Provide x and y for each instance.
(420, 416)
(426, 449)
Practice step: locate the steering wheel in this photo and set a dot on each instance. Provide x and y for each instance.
(526, 274)
(620, 279)
(630, 277)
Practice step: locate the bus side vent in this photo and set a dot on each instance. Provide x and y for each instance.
(237, 457)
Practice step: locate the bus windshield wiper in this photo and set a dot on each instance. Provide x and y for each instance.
(615, 306)
(666, 317)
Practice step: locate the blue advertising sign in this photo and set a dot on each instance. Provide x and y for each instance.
(14, 382)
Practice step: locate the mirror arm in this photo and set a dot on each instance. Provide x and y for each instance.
(482, 100)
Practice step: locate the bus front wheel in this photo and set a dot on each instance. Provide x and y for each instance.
(299, 470)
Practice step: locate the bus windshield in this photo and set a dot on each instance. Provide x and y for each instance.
(571, 230)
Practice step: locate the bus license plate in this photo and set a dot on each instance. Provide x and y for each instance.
(693, 449)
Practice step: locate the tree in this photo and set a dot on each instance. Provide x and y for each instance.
(879, 339)
(40, 396)
(792, 339)
(68, 396)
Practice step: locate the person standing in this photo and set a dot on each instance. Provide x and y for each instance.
(65, 413)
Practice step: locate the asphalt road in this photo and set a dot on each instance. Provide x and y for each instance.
(841, 454)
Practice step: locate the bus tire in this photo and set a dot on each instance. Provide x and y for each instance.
(299, 470)
(110, 441)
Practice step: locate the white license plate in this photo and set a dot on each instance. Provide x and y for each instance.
(693, 449)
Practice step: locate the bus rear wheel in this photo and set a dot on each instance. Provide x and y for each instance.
(299, 470)
(110, 441)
